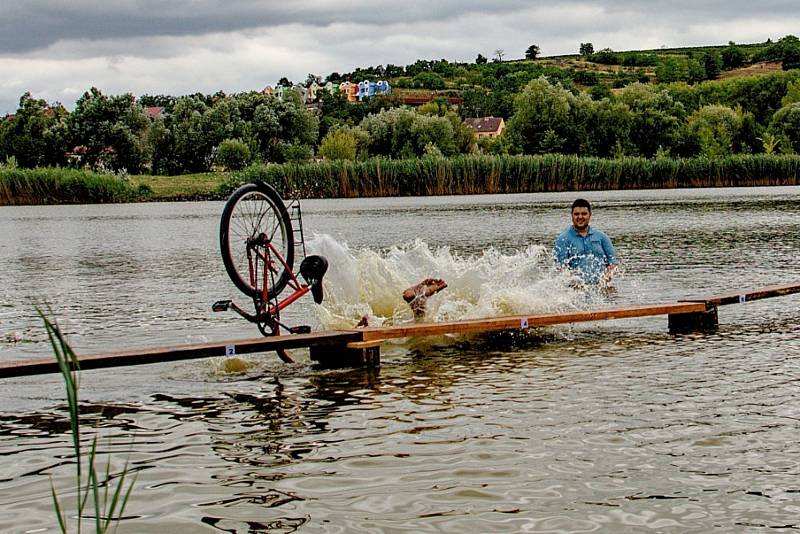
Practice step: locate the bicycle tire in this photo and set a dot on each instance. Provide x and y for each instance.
(251, 210)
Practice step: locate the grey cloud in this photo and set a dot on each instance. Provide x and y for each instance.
(35, 24)
(31, 25)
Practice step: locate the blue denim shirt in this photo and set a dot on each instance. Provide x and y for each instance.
(588, 257)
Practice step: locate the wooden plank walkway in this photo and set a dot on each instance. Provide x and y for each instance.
(518, 322)
(332, 343)
(746, 296)
(182, 352)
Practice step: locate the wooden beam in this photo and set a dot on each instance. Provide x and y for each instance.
(748, 295)
(518, 322)
(182, 352)
(365, 342)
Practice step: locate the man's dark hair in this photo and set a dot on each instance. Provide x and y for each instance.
(581, 203)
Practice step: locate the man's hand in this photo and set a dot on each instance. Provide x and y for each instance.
(608, 276)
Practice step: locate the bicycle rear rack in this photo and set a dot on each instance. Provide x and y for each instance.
(296, 218)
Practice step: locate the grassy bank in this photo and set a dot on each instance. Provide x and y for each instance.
(415, 177)
(200, 186)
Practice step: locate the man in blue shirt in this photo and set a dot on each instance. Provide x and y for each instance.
(585, 251)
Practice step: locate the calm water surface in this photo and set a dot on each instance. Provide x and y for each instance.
(607, 427)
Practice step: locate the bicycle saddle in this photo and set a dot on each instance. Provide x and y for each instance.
(313, 268)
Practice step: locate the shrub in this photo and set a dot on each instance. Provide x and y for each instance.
(339, 144)
(232, 154)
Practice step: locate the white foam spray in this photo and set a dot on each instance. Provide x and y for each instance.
(490, 283)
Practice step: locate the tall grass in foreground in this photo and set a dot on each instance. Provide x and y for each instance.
(61, 186)
(107, 506)
(517, 174)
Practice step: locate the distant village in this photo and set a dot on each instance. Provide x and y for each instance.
(354, 92)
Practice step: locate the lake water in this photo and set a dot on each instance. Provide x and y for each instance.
(614, 426)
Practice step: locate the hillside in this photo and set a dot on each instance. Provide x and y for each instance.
(598, 71)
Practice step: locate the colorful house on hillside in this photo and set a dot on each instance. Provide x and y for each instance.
(353, 92)
(310, 93)
(349, 90)
(486, 126)
(367, 89)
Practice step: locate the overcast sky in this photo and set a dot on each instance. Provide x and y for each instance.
(58, 49)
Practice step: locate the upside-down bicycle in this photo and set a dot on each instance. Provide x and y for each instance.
(259, 246)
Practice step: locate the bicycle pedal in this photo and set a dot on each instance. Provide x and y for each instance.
(302, 329)
(221, 305)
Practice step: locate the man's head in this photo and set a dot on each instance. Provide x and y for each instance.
(581, 214)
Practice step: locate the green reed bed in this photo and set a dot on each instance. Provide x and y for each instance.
(61, 186)
(517, 174)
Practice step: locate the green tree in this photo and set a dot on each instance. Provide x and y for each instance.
(586, 49)
(36, 135)
(403, 133)
(600, 91)
(294, 153)
(732, 57)
(220, 122)
(669, 70)
(298, 127)
(344, 144)
(477, 102)
(435, 108)
(160, 140)
(712, 63)
(428, 80)
(792, 93)
(111, 128)
(785, 125)
(334, 111)
(608, 127)
(532, 52)
(714, 129)
(656, 119)
(695, 71)
(481, 60)
(463, 136)
(540, 107)
(188, 145)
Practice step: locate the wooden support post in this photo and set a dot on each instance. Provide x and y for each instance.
(702, 321)
(353, 354)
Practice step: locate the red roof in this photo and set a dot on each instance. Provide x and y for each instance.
(484, 124)
(153, 112)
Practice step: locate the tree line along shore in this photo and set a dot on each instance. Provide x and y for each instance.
(470, 174)
(558, 128)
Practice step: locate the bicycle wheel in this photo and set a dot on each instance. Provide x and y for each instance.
(254, 234)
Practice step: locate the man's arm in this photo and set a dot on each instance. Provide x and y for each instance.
(612, 262)
(608, 249)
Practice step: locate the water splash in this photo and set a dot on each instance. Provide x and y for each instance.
(491, 283)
